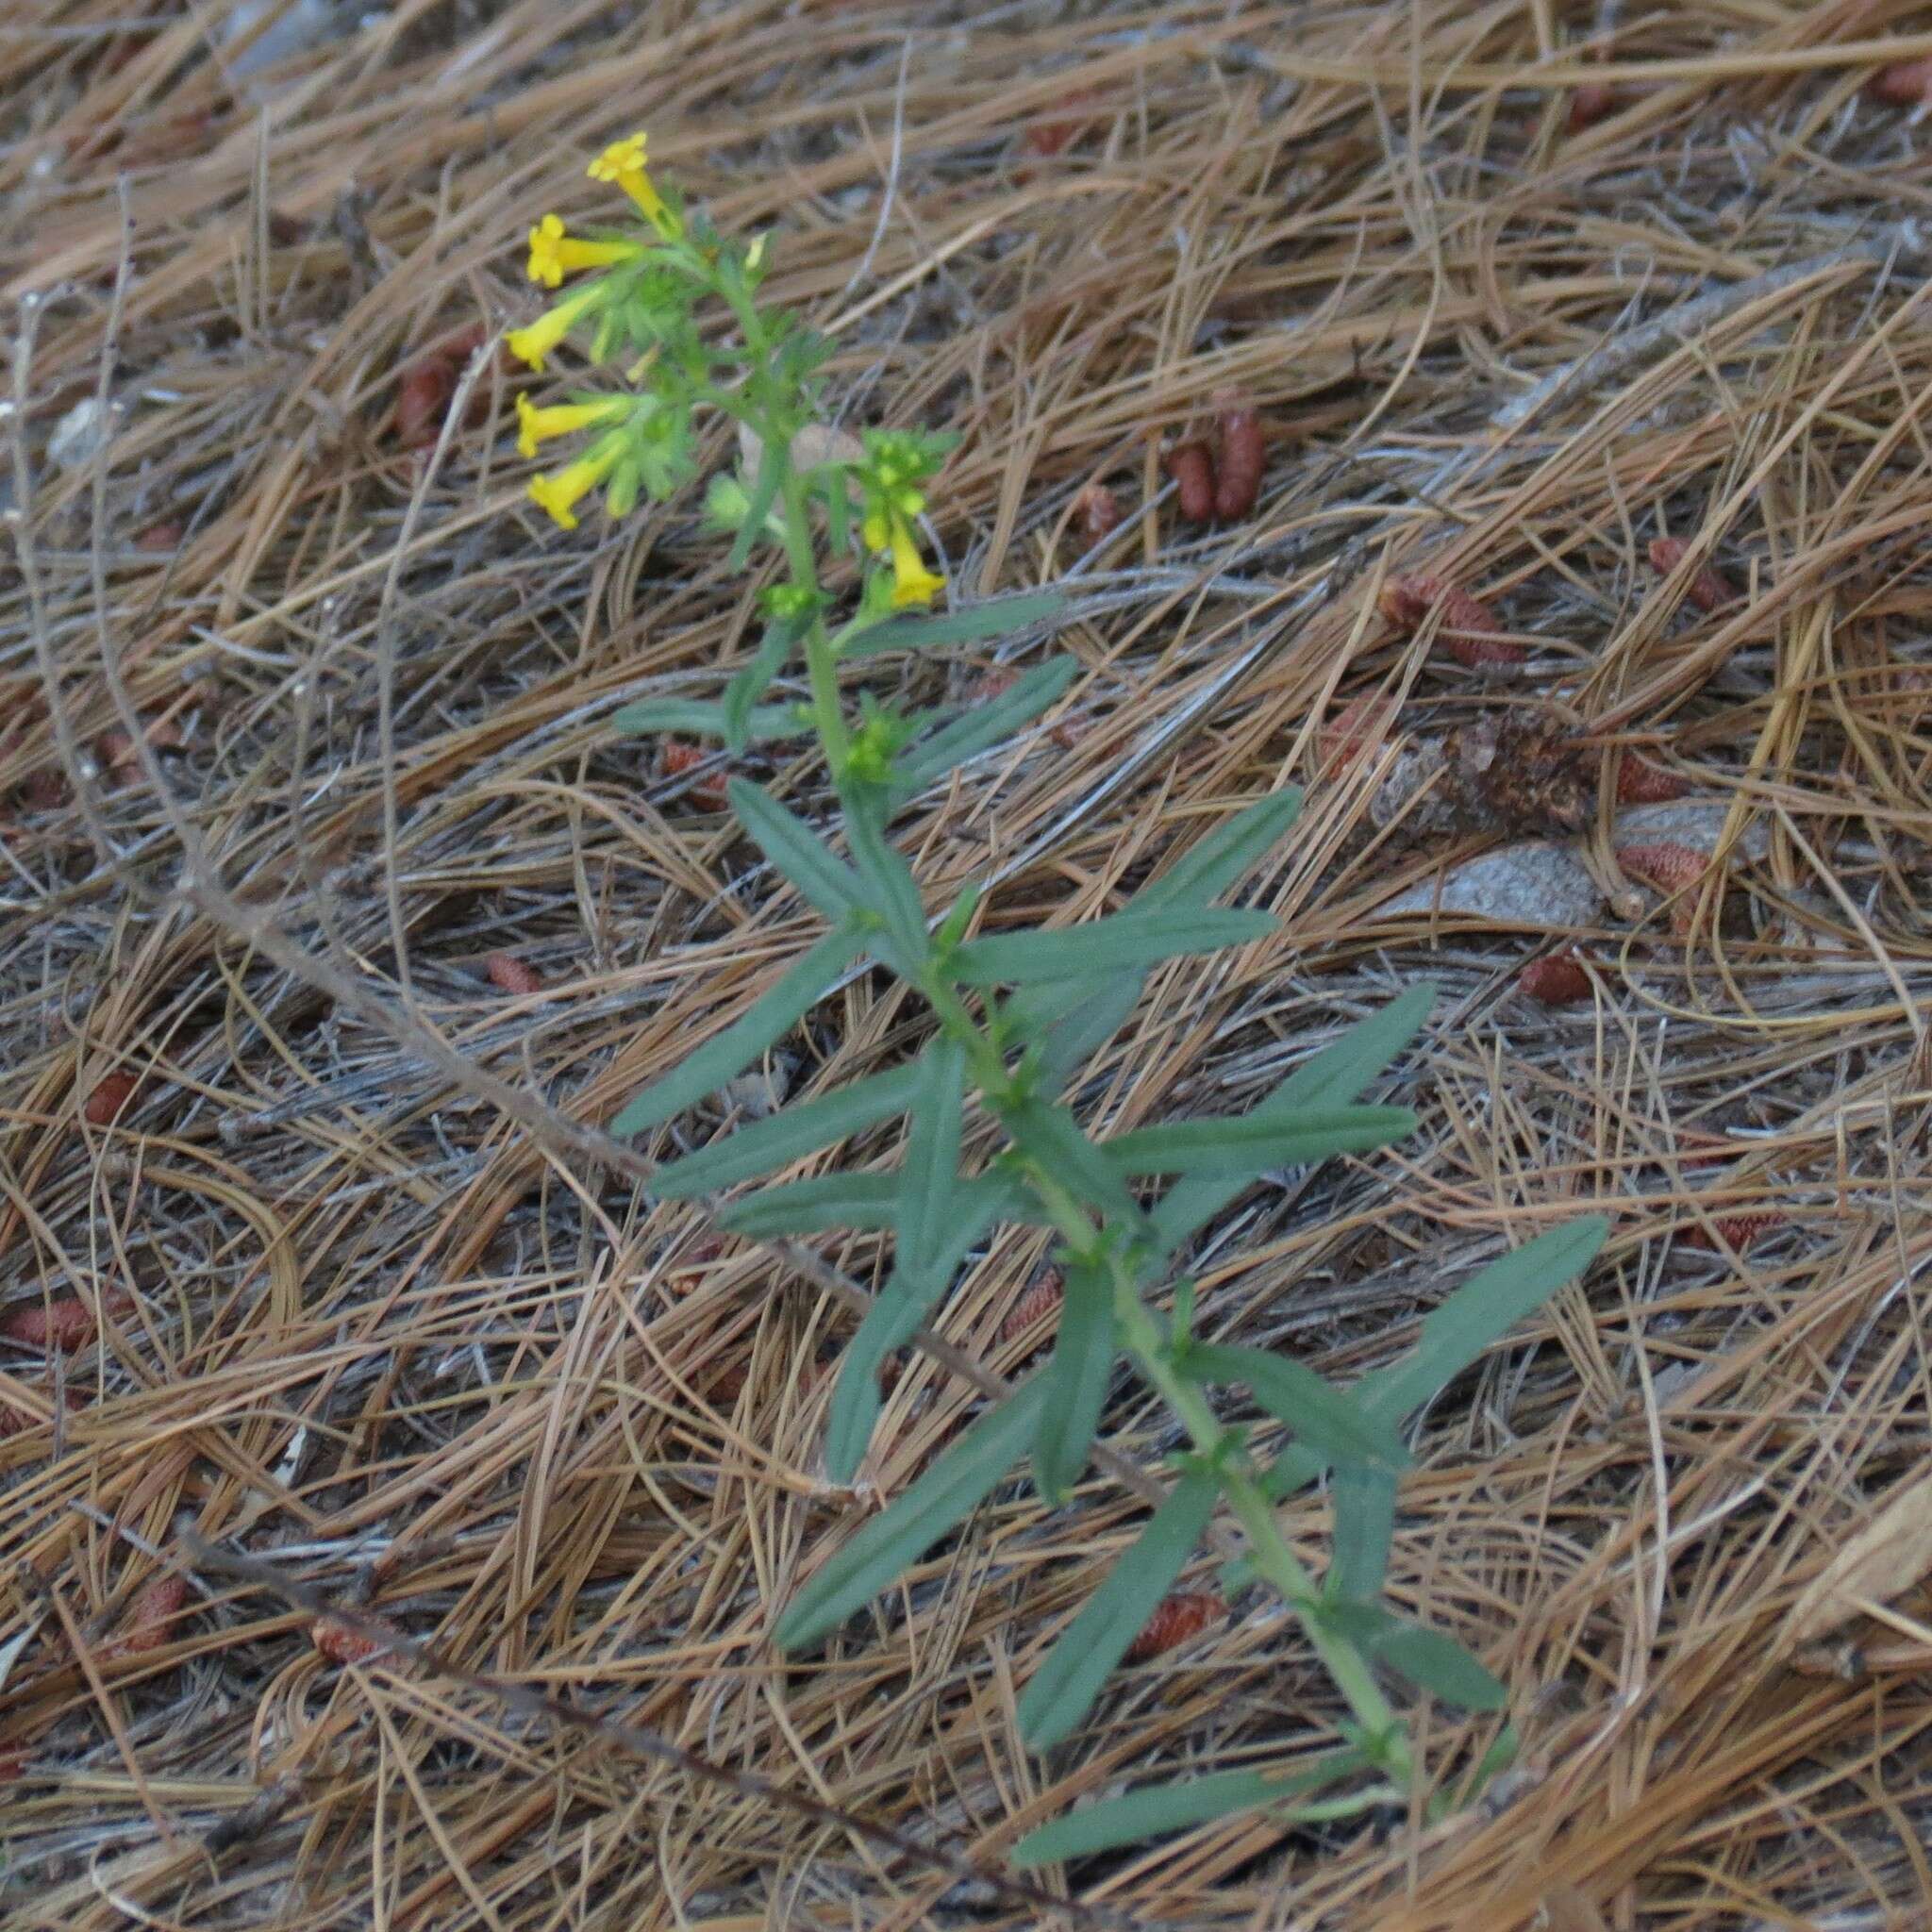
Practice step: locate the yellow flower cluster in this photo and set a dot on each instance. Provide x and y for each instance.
(555, 252)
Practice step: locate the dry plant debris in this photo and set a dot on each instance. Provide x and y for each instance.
(353, 1305)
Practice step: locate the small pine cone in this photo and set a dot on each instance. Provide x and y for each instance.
(1099, 511)
(62, 1325)
(728, 1385)
(15, 1419)
(1594, 100)
(1470, 631)
(109, 1100)
(1739, 1230)
(1042, 1298)
(1557, 979)
(341, 1642)
(1179, 1616)
(1639, 782)
(509, 974)
(710, 788)
(1903, 84)
(1193, 470)
(1671, 868)
(46, 789)
(145, 1625)
(1360, 727)
(1710, 589)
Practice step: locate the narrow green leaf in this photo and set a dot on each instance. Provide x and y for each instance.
(907, 1299)
(1434, 1662)
(994, 618)
(1476, 1316)
(1071, 1674)
(748, 685)
(1083, 1356)
(704, 718)
(1226, 856)
(1072, 1021)
(1103, 945)
(764, 491)
(1364, 1504)
(1253, 1144)
(1052, 1136)
(789, 1136)
(1332, 1078)
(983, 727)
(728, 1054)
(1156, 1809)
(893, 889)
(1441, 1666)
(1481, 1312)
(791, 846)
(1321, 1416)
(929, 1183)
(944, 1496)
(815, 1207)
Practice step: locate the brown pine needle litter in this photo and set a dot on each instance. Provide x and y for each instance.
(376, 1288)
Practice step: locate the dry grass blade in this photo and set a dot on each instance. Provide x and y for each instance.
(1881, 1561)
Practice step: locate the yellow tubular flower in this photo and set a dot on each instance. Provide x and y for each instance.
(559, 491)
(554, 254)
(912, 583)
(562, 419)
(623, 162)
(533, 344)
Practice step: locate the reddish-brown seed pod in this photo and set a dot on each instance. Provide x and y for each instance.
(1639, 782)
(1557, 979)
(1710, 589)
(1470, 631)
(16, 1418)
(1903, 84)
(728, 1385)
(507, 974)
(675, 758)
(63, 1323)
(1240, 457)
(1181, 1615)
(1359, 727)
(12, 1762)
(1054, 133)
(1739, 1230)
(1099, 511)
(1192, 470)
(145, 1625)
(1041, 1300)
(421, 399)
(164, 535)
(340, 1643)
(1594, 100)
(46, 789)
(109, 1099)
(1672, 869)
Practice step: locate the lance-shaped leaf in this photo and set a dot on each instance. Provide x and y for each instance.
(939, 1218)
(889, 879)
(1070, 1019)
(741, 694)
(1071, 1674)
(983, 727)
(1051, 1136)
(1103, 945)
(827, 881)
(1475, 1317)
(815, 1207)
(762, 1026)
(1319, 1415)
(789, 1136)
(1153, 1809)
(996, 617)
(704, 718)
(944, 1497)
(1363, 1500)
(764, 493)
(1252, 1143)
(1332, 1079)
(1083, 1357)
(1436, 1663)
